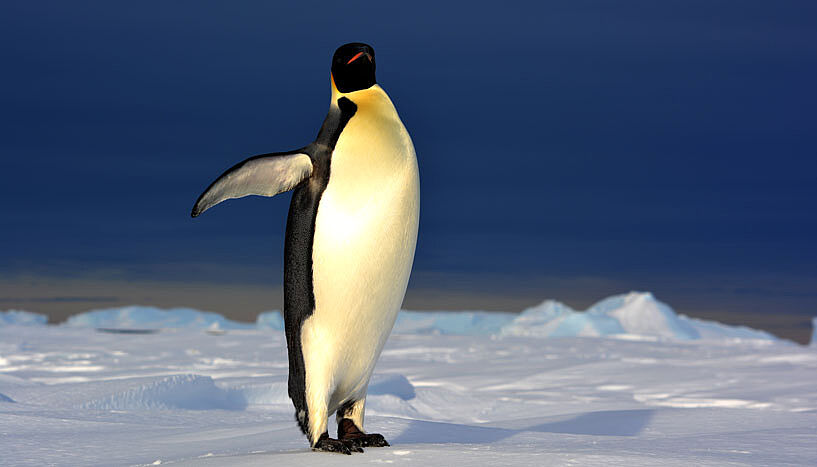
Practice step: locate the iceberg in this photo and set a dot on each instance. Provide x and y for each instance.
(472, 323)
(423, 322)
(714, 330)
(813, 342)
(555, 319)
(22, 318)
(270, 320)
(148, 317)
(632, 314)
(641, 314)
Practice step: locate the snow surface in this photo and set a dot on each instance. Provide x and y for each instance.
(632, 383)
(76, 396)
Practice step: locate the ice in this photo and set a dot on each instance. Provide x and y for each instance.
(148, 317)
(641, 314)
(555, 319)
(21, 318)
(270, 320)
(713, 330)
(423, 322)
(632, 315)
(814, 332)
(474, 323)
(636, 315)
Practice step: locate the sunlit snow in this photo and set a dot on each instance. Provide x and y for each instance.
(627, 382)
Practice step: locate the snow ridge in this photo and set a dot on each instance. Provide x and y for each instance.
(192, 392)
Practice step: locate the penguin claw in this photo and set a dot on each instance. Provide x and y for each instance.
(354, 447)
(373, 440)
(327, 444)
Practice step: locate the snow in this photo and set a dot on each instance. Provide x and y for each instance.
(73, 395)
(626, 382)
(192, 392)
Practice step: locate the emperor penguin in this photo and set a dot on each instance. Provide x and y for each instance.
(350, 240)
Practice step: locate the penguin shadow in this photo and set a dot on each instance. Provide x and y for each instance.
(602, 423)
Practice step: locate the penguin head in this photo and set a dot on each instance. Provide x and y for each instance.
(353, 67)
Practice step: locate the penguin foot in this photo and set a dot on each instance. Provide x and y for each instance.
(349, 432)
(372, 440)
(327, 444)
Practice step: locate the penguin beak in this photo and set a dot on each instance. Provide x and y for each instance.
(358, 55)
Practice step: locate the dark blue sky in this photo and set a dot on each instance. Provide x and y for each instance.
(567, 149)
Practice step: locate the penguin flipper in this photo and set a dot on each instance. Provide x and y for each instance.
(264, 175)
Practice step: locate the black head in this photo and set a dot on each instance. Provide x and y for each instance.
(353, 67)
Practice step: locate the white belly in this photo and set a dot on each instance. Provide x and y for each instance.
(363, 250)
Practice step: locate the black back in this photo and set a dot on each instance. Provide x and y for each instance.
(299, 297)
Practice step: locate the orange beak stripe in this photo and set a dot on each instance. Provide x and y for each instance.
(354, 58)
